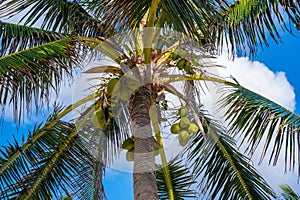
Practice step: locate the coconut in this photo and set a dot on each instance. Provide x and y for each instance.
(175, 56)
(184, 122)
(183, 135)
(180, 64)
(187, 66)
(175, 128)
(128, 144)
(193, 128)
(98, 119)
(183, 111)
(129, 156)
(183, 142)
(111, 85)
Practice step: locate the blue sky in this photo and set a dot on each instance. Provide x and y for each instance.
(282, 57)
(285, 57)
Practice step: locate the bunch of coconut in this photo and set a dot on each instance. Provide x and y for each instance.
(128, 145)
(122, 88)
(181, 63)
(184, 127)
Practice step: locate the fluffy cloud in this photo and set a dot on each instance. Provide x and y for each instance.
(258, 77)
(274, 85)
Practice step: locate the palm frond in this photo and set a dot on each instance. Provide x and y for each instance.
(51, 166)
(120, 15)
(288, 193)
(190, 17)
(185, 16)
(104, 69)
(57, 15)
(247, 24)
(49, 125)
(18, 37)
(181, 179)
(91, 187)
(28, 76)
(225, 173)
(107, 47)
(261, 120)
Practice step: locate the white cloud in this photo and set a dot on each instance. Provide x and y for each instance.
(258, 77)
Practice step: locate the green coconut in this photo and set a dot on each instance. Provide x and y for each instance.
(111, 85)
(98, 119)
(128, 144)
(183, 111)
(156, 150)
(183, 142)
(184, 122)
(129, 156)
(175, 56)
(183, 135)
(180, 64)
(193, 128)
(187, 66)
(175, 128)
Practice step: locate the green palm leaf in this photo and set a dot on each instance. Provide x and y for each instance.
(248, 22)
(47, 126)
(226, 173)
(255, 116)
(57, 15)
(288, 193)
(92, 187)
(18, 37)
(34, 72)
(51, 166)
(181, 180)
(194, 16)
(122, 15)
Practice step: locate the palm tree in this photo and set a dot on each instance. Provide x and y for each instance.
(55, 38)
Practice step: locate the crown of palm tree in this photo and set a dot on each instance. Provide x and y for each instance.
(55, 38)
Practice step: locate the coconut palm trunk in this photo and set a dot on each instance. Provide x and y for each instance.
(144, 163)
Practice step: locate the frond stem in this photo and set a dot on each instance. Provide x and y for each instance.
(228, 156)
(149, 31)
(102, 45)
(175, 78)
(155, 125)
(15, 54)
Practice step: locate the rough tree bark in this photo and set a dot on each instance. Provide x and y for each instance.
(145, 187)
